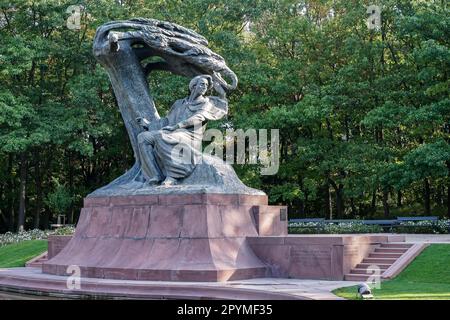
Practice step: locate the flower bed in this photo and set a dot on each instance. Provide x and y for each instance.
(431, 227)
(333, 228)
(434, 227)
(36, 234)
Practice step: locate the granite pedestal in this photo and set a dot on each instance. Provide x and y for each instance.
(192, 237)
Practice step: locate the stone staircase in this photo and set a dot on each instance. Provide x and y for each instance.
(382, 257)
(37, 262)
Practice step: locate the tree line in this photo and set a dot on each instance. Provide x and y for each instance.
(363, 114)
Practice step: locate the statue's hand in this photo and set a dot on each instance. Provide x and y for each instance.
(142, 121)
(171, 128)
(219, 89)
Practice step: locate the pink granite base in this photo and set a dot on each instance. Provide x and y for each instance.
(326, 257)
(199, 237)
(56, 244)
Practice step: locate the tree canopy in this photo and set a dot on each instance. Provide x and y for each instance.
(363, 114)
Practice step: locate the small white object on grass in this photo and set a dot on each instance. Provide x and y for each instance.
(364, 291)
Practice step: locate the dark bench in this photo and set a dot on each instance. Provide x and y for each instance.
(414, 219)
(321, 222)
(382, 222)
(307, 220)
(429, 218)
(386, 224)
(368, 222)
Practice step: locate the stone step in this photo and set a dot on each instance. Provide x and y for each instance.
(396, 245)
(364, 271)
(36, 264)
(388, 261)
(37, 261)
(382, 257)
(390, 250)
(385, 255)
(364, 266)
(356, 277)
(367, 265)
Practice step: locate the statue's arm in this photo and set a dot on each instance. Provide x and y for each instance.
(157, 124)
(154, 125)
(196, 119)
(217, 111)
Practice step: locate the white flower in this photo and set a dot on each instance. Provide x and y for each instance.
(35, 234)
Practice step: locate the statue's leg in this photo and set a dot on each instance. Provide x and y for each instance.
(149, 164)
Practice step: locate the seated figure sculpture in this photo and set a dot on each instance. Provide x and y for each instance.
(172, 152)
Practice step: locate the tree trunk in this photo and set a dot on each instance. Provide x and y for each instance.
(3, 219)
(442, 200)
(386, 204)
(399, 199)
(448, 201)
(10, 193)
(339, 198)
(47, 167)
(22, 191)
(301, 208)
(327, 201)
(2, 216)
(353, 206)
(339, 202)
(438, 195)
(427, 196)
(38, 181)
(45, 219)
(374, 201)
(329, 129)
(71, 208)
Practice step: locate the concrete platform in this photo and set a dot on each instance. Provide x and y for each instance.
(18, 282)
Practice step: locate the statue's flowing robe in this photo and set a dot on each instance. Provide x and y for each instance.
(165, 153)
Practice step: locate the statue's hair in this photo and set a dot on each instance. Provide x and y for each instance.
(194, 81)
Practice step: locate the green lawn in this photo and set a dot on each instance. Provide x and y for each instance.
(427, 277)
(15, 255)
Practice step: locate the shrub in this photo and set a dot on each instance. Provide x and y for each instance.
(64, 231)
(435, 227)
(432, 227)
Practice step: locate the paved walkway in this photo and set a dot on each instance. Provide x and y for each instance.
(427, 238)
(309, 289)
(313, 289)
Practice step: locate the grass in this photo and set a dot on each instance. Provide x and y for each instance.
(15, 255)
(426, 278)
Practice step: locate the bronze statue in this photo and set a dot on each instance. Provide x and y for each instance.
(182, 131)
(166, 149)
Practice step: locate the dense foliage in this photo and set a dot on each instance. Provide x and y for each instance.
(363, 114)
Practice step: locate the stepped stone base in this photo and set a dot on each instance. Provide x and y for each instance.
(324, 257)
(191, 237)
